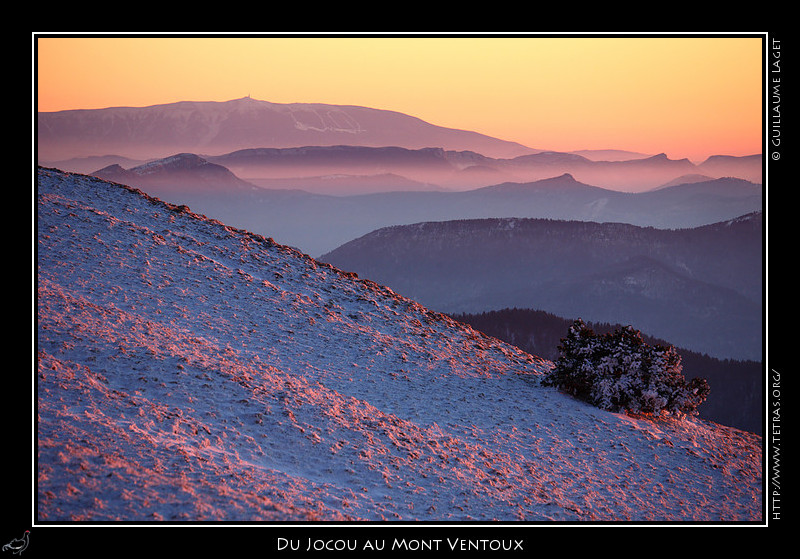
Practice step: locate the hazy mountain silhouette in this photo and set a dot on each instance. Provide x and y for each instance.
(214, 128)
(317, 223)
(747, 167)
(697, 288)
(176, 176)
(347, 185)
(610, 154)
(262, 140)
(686, 179)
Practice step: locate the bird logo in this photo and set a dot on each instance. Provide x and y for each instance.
(18, 545)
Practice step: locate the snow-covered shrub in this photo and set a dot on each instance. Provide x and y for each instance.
(620, 372)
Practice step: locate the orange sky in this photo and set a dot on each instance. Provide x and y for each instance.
(686, 97)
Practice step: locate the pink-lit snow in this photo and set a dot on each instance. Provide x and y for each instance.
(192, 371)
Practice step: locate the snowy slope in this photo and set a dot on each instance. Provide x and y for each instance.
(191, 371)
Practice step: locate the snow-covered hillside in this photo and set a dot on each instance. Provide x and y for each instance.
(191, 371)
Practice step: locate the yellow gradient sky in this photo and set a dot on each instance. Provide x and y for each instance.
(686, 96)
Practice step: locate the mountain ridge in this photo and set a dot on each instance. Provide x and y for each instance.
(706, 297)
(215, 127)
(317, 222)
(460, 170)
(180, 174)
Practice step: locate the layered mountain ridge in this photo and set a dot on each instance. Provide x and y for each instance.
(213, 128)
(317, 223)
(257, 141)
(700, 288)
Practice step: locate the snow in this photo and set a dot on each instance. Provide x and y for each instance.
(190, 371)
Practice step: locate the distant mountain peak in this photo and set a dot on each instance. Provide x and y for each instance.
(113, 168)
(178, 161)
(212, 127)
(664, 158)
(182, 172)
(566, 177)
(562, 180)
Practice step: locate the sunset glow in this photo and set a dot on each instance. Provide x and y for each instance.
(406, 279)
(686, 97)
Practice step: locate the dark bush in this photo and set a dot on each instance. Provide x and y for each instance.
(619, 372)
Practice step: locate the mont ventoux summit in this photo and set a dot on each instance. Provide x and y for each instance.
(205, 370)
